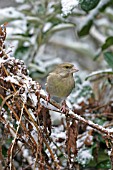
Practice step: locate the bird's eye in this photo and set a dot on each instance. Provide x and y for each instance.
(67, 67)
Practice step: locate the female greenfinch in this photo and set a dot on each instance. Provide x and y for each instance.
(60, 82)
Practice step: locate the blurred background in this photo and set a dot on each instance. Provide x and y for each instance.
(6, 3)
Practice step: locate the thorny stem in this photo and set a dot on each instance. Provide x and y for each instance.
(73, 115)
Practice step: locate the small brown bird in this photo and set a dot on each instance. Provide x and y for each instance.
(60, 82)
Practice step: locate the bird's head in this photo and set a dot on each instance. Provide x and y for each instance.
(65, 68)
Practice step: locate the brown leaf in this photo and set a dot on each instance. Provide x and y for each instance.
(89, 138)
(44, 117)
(72, 138)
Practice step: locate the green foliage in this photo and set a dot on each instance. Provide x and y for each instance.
(108, 43)
(85, 30)
(106, 164)
(37, 25)
(102, 161)
(91, 16)
(88, 5)
(100, 121)
(108, 56)
(21, 52)
(6, 146)
(100, 73)
(82, 92)
(87, 156)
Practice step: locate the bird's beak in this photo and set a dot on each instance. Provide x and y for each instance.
(74, 70)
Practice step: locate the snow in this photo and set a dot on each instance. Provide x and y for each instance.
(80, 100)
(11, 79)
(100, 72)
(58, 132)
(90, 123)
(83, 137)
(109, 11)
(56, 117)
(9, 59)
(110, 130)
(25, 153)
(86, 83)
(47, 26)
(5, 116)
(19, 1)
(62, 26)
(84, 156)
(32, 114)
(81, 141)
(24, 95)
(75, 105)
(51, 7)
(33, 97)
(68, 5)
(57, 135)
(10, 12)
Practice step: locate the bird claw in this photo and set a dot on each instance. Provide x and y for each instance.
(63, 108)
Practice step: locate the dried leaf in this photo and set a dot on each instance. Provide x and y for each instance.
(72, 138)
(46, 119)
(89, 139)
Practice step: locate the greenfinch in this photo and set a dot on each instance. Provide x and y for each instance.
(60, 82)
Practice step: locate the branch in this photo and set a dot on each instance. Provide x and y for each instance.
(73, 115)
(14, 141)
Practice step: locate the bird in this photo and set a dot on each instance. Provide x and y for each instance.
(60, 82)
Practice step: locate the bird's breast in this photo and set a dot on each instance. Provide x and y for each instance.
(58, 86)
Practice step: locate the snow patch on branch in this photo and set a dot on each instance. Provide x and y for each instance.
(68, 5)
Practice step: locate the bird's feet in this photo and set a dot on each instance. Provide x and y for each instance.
(63, 108)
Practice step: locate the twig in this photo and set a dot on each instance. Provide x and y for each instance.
(17, 118)
(4, 101)
(47, 145)
(73, 115)
(13, 133)
(14, 141)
